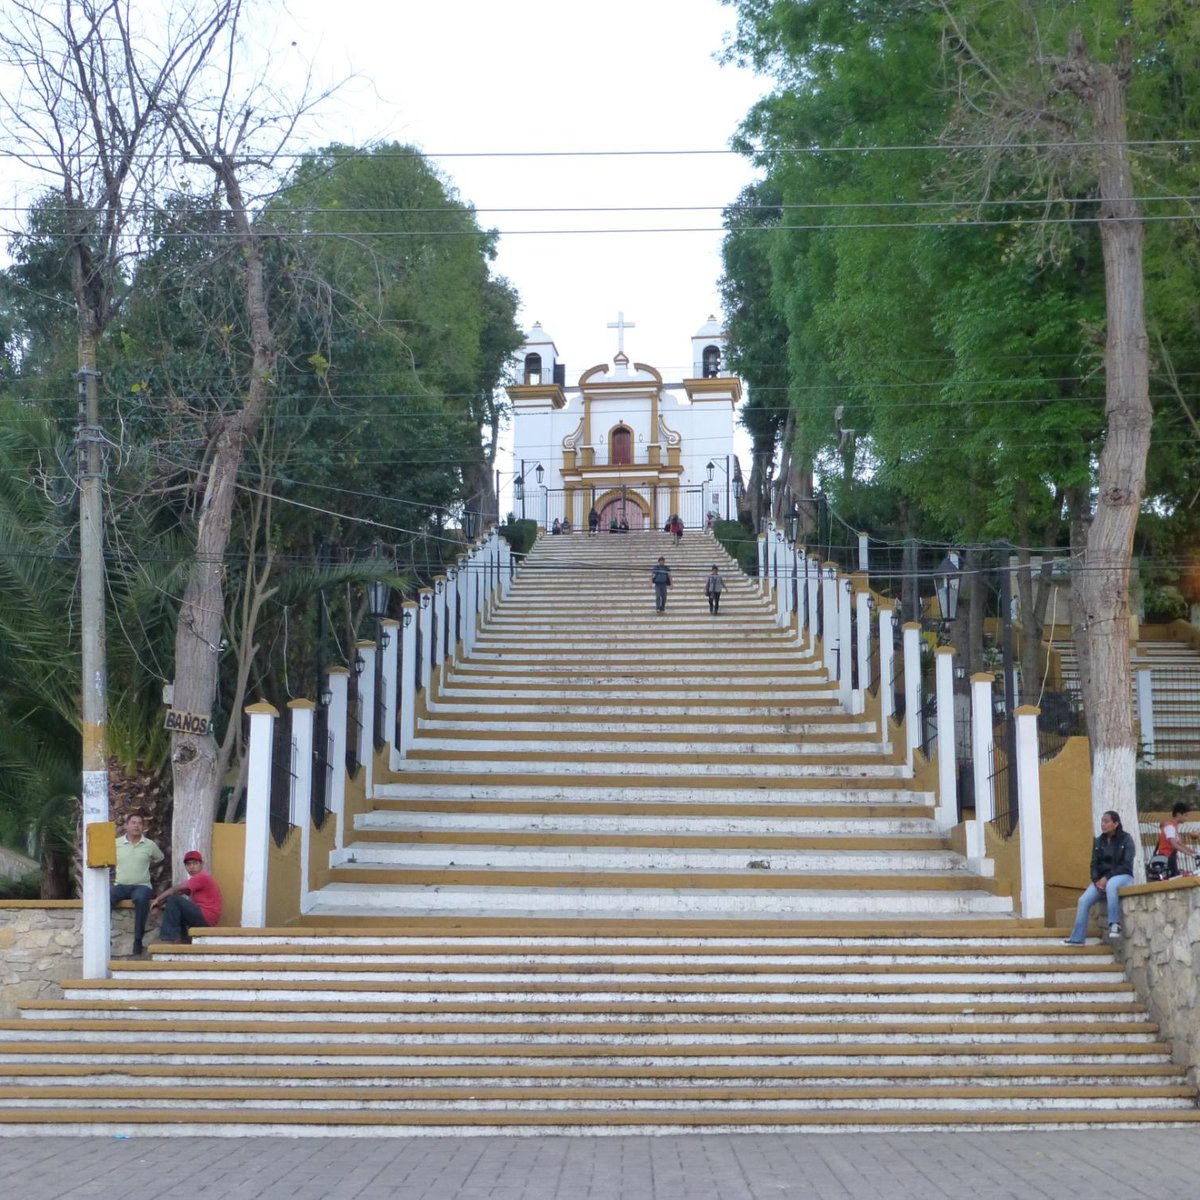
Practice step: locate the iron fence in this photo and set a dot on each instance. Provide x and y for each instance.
(283, 782)
(322, 774)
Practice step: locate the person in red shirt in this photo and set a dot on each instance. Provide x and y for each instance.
(195, 902)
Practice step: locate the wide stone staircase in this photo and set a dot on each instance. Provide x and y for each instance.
(641, 873)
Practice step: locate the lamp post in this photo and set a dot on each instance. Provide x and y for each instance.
(947, 581)
(733, 482)
(519, 484)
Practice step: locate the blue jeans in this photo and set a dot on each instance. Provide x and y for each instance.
(140, 894)
(180, 915)
(1111, 893)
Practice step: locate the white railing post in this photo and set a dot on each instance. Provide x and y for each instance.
(1029, 814)
(339, 710)
(829, 617)
(470, 617)
(947, 801)
(1145, 711)
(450, 642)
(258, 814)
(506, 567)
(425, 630)
(862, 602)
(438, 622)
(366, 701)
(813, 573)
(407, 687)
(864, 552)
(846, 643)
(303, 717)
(981, 760)
(912, 688)
(391, 688)
(887, 670)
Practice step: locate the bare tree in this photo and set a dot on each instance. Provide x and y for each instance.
(236, 136)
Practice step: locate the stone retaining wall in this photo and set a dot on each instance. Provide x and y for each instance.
(41, 944)
(1160, 950)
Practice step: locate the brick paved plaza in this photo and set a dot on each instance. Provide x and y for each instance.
(987, 1166)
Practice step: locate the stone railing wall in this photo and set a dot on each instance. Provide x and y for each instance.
(41, 944)
(1160, 949)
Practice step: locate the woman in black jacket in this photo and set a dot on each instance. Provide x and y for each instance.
(1112, 869)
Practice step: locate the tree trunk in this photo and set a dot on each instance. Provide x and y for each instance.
(198, 765)
(1104, 582)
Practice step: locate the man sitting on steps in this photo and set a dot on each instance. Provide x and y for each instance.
(135, 856)
(196, 901)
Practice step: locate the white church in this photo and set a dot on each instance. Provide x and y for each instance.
(624, 441)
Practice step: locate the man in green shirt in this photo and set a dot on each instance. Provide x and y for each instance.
(135, 856)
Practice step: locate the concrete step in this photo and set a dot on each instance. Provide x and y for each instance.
(450, 854)
(397, 900)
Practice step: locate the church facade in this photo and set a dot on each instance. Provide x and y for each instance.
(622, 440)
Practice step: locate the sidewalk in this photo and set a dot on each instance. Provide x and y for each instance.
(920, 1166)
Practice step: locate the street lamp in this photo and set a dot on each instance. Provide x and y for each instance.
(732, 481)
(519, 484)
(947, 581)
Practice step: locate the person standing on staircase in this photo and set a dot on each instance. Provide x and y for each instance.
(660, 576)
(1112, 869)
(714, 585)
(593, 522)
(135, 856)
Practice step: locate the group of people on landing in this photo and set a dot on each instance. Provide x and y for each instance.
(1113, 855)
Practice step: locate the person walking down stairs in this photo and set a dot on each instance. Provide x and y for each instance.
(714, 585)
(660, 576)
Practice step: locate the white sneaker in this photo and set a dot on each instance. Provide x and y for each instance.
(1114, 931)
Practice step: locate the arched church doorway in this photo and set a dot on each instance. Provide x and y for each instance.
(616, 507)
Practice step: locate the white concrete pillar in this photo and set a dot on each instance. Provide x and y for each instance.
(762, 562)
(457, 578)
(1029, 817)
(507, 568)
(887, 669)
(97, 907)
(845, 643)
(862, 601)
(947, 798)
(813, 570)
(787, 583)
(425, 636)
(303, 718)
(258, 814)
(407, 689)
(366, 701)
(829, 618)
(339, 711)
(864, 552)
(1145, 711)
(912, 688)
(782, 579)
(981, 757)
(471, 592)
(391, 686)
(438, 621)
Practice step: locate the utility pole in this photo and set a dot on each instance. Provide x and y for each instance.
(97, 921)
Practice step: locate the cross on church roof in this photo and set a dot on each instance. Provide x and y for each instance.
(620, 325)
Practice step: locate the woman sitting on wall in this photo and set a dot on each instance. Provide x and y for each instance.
(1112, 869)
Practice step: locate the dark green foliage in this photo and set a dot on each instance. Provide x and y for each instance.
(520, 534)
(739, 542)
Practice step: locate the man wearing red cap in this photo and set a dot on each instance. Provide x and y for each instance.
(195, 902)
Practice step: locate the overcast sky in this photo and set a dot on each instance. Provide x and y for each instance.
(540, 76)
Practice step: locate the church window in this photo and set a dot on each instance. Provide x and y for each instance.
(621, 446)
(533, 368)
(712, 362)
